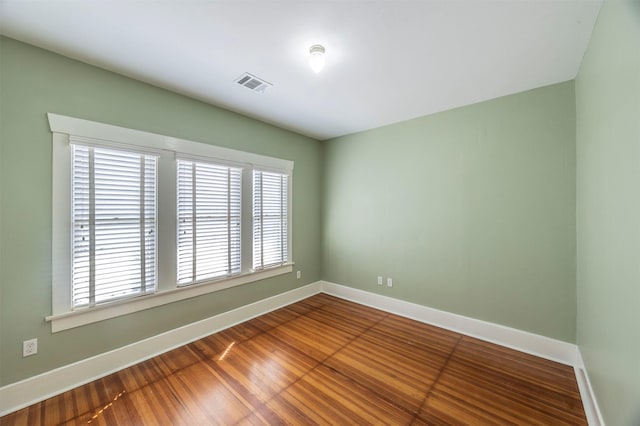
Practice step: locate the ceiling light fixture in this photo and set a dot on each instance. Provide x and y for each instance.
(316, 60)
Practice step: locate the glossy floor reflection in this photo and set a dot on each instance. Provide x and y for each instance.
(325, 360)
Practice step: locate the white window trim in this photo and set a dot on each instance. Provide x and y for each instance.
(168, 148)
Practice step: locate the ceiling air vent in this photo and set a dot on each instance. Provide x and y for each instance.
(252, 82)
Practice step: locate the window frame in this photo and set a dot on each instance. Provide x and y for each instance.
(86, 204)
(168, 150)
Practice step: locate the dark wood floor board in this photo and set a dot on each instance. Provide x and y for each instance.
(324, 360)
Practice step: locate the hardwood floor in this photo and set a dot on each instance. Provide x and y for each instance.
(325, 361)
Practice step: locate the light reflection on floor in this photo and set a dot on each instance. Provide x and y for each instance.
(106, 407)
(226, 351)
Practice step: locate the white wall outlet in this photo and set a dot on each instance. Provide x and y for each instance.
(29, 347)
(389, 282)
(379, 280)
(298, 275)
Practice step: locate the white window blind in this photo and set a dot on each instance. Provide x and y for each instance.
(208, 208)
(114, 220)
(270, 219)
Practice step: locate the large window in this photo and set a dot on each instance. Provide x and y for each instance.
(270, 219)
(140, 220)
(209, 200)
(113, 225)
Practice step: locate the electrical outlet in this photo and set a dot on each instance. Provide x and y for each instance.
(29, 347)
(389, 282)
(379, 280)
(298, 275)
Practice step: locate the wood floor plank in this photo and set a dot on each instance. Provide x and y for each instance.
(352, 327)
(278, 412)
(517, 389)
(491, 384)
(397, 374)
(260, 368)
(274, 318)
(324, 360)
(325, 396)
(351, 312)
(552, 375)
(412, 333)
(314, 338)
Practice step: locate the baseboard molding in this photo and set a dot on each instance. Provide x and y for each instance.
(37, 388)
(589, 402)
(544, 347)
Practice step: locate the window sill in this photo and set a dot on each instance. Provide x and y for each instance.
(74, 319)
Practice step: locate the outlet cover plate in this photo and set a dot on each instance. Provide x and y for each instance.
(29, 347)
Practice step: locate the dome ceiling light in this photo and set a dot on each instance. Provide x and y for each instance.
(316, 60)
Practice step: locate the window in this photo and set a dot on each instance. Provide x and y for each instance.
(114, 225)
(208, 221)
(270, 219)
(141, 220)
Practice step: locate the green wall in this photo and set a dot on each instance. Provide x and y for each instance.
(471, 211)
(608, 211)
(34, 82)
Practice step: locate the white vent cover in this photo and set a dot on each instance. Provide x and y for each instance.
(252, 82)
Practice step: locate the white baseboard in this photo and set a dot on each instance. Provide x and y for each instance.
(544, 347)
(37, 388)
(591, 408)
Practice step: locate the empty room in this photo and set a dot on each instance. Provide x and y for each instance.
(320, 212)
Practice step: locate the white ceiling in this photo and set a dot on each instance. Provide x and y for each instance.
(387, 61)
